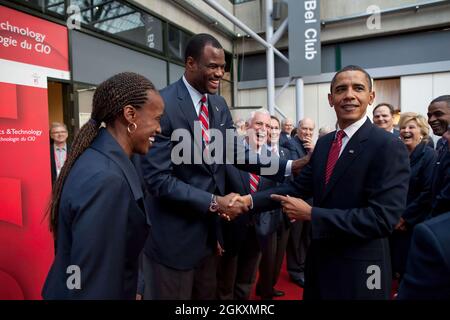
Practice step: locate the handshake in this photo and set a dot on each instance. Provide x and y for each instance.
(232, 205)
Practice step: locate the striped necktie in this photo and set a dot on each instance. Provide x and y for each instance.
(254, 182)
(204, 119)
(334, 154)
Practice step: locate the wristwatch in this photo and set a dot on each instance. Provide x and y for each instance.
(213, 206)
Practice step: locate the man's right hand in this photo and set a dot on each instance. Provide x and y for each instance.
(243, 200)
(299, 164)
(230, 212)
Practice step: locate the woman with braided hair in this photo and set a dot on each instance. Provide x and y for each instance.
(97, 213)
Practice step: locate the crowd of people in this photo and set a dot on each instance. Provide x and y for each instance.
(363, 204)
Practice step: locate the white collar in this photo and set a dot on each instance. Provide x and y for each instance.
(351, 129)
(195, 95)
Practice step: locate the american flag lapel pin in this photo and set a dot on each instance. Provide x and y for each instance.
(351, 151)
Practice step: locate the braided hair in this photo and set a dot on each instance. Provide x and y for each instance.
(110, 98)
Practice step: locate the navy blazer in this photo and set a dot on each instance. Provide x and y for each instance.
(353, 214)
(440, 202)
(428, 269)
(102, 225)
(234, 232)
(421, 160)
(285, 140)
(296, 148)
(184, 231)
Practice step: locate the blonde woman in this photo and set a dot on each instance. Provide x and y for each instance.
(414, 132)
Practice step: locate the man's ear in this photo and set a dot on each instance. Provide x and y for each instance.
(330, 100)
(372, 97)
(190, 63)
(129, 113)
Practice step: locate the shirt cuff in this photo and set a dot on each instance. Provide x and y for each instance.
(288, 171)
(251, 202)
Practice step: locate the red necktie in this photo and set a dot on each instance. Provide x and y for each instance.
(254, 182)
(204, 119)
(334, 154)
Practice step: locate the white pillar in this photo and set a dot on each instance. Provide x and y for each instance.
(299, 99)
(270, 59)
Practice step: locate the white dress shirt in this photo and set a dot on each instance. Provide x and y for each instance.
(350, 131)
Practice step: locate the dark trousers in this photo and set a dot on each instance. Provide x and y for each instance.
(237, 273)
(165, 283)
(271, 261)
(298, 243)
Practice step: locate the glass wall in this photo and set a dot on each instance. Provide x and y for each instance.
(122, 20)
(53, 7)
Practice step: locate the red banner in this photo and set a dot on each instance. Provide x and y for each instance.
(27, 39)
(31, 49)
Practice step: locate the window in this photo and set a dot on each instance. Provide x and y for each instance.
(177, 42)
(123, 21)
(46, 6)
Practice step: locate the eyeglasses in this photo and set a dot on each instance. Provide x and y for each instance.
(58, 132)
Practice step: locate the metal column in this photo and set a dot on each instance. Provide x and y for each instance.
(299, 102)
(270, 59)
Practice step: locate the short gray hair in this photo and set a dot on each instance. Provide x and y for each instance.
(57, 125)
(253, 113)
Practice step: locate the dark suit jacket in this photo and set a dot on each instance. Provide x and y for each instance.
(285, 140)
(421, 160)
(234, 232)
(296, 148)
(441, 183)
(52, 160)
(184, 231)
(428, 268)
(418, 203)
(353, 215)
(396, 133)
(102, 225)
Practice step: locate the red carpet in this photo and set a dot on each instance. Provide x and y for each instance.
(292, 291)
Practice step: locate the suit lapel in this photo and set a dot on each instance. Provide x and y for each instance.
(213, 109)
(245, 176)
(186, 106)
(352, 150)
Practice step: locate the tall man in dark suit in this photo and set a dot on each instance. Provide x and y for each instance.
(358, 177)
(299, 237)
(250, 235)
(187, 188)
(275, 245)
(439, 119)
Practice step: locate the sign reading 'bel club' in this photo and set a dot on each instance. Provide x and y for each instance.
(304, 38)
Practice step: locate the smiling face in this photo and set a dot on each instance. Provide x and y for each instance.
(410, 134)
(206, 73)
(383, 118)
(439, 117)
(288, 126)
(147, 121)
(258, 129)
(59, 135)
(350, 97)
(274, 133)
